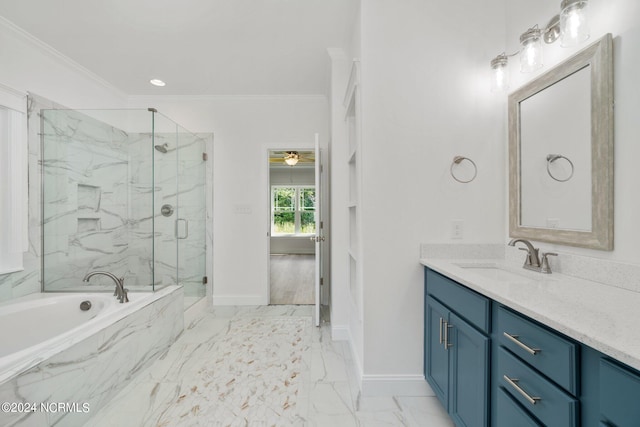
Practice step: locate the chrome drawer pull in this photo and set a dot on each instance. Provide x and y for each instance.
(446, 335)
(440, 329)
(514, 339)
(513, 383)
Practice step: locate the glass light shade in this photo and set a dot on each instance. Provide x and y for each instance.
(574, 24)
(499, 73)
(531, 51)
(291, 158)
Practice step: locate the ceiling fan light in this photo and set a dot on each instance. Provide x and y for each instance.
(291, 158)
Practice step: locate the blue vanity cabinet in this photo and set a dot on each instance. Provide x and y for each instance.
(457, 349)
(492, 365)
(537, 367)
(619, 395)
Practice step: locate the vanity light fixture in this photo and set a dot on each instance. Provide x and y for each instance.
(531, 52)
(157, 82)
(570, 26)
(574, 26)
(291, 158)
(499, 73)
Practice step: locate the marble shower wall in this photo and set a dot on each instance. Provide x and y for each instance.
(97, 201)
(102, 209)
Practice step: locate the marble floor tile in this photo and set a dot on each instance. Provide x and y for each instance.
(258, 366)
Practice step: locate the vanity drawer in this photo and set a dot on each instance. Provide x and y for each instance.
(619, 395)
(509, 412)
(552, 406)
(470, 305)
(554, 356)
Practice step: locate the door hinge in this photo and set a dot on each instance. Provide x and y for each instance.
(321, 281)
(205, 157)
(321, 224)
(205, 280)
(321, 168)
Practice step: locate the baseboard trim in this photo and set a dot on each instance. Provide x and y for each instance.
(238, 300)
(395, 385)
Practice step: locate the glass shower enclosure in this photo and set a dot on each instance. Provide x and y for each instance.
(123, 191)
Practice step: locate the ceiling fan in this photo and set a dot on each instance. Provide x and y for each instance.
(291, 157)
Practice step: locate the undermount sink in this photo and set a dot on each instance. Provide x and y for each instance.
(494, 272)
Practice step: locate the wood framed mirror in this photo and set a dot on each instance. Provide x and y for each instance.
(561, 152)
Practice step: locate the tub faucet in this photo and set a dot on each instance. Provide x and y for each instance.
(534, 261)
(120, 292)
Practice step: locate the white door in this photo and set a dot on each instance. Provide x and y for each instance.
(319, 237)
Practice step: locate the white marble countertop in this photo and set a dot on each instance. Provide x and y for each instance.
(600, 316)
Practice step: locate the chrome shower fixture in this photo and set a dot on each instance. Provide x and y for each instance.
(162, 148)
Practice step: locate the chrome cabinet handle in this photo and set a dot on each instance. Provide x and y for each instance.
(446, 335)
(514, 383)
(440, 329)
(515, 340)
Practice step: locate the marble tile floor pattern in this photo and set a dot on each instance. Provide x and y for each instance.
(258, 366)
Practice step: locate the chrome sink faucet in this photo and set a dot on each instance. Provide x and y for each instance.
(534, 261)
(120, 292)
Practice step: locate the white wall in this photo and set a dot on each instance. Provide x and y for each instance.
(621, 18)
(29, 65)
(245, 129)
(425, 99)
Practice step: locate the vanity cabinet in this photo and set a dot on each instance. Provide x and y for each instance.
(491, 365)
(538, 368)
(457, 349)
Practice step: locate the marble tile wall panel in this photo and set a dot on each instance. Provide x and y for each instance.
(14, 285)
(123, 240)
(82, 153)
(97, 368)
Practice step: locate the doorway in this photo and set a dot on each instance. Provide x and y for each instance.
(293, 203)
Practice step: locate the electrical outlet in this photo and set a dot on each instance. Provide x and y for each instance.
(457, 229)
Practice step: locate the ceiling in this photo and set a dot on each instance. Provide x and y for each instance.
(198, 47)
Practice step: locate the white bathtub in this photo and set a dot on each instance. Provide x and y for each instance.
(50, 348)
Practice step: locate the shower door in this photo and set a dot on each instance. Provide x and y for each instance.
(191, 220)
(180, 208)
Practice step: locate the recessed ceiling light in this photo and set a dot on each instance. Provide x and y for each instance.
(157, 82)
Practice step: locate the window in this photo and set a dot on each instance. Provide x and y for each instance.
(13, 180)
(293, 210)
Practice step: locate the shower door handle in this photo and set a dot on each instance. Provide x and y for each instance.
(186, 229)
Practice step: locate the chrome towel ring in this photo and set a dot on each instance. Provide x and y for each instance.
(456, 161)
(552, 158)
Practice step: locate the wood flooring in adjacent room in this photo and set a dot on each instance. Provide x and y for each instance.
(292, 279)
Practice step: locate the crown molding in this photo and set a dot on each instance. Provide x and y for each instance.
(310, 97)
(58, 56)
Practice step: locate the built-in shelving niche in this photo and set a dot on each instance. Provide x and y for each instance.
(88, 206)
(352, 119)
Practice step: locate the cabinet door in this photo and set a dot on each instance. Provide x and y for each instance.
(619, 395)
(469, 374)
(436, 364)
